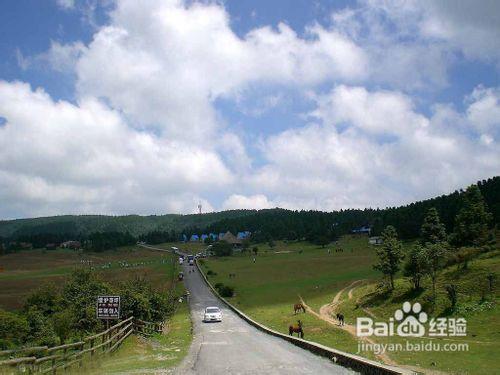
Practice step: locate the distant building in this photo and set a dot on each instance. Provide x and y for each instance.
(375, 240)
(194, 238)
(71, 245)
(231, 239)
(365, 229)
(243, 235)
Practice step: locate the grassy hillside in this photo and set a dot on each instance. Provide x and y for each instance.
(23, 272)
(268, 288)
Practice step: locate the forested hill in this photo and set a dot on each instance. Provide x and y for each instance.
(279, 223)
(134, 224)
(271, 223)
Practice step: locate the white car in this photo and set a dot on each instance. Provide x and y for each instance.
(212, 314)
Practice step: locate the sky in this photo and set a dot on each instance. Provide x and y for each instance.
(151, 107)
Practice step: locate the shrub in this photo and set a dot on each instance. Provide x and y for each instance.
(222, 249)
(14, 330)
(211, 273)
(224, 290)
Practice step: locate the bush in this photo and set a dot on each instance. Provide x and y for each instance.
(224, 290)
(222, 249)
(14, 330)
(211, 273)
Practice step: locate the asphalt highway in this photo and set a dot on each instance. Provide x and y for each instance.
(235, 347)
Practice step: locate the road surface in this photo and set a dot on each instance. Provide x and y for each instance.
(236, 347)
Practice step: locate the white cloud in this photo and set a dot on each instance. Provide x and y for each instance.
(63, 57)
(253, 202)
(374, 149)
(178, 59)
(144, 135)
(472, 27)
(84, 158)
(66, 4)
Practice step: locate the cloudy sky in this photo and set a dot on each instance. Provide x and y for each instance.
(150, 107)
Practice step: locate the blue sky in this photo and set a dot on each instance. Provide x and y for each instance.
(117, 107)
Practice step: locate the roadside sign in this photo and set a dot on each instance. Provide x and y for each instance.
(108, 307)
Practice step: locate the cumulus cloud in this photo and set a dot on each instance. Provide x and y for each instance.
(85, 158)
(66, 4)
(144, 135)
(253, 202)
(375, 149)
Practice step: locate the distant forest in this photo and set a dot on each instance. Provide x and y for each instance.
(104, 232)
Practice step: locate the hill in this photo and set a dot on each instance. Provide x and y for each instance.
(265, 224)
(134, 224)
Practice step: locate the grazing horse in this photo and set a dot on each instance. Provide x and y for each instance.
(298, 307)
(340, 318)
(297, 329)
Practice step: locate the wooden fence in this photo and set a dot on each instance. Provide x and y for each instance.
(45, 360)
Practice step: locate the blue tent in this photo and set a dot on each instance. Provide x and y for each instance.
(204, 237)
(194, 238)
(243, 235)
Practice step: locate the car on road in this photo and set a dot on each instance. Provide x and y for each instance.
(212, 314)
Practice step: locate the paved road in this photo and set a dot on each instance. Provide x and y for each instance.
(235, 347)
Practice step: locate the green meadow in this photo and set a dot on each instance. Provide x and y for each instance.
(267, 289)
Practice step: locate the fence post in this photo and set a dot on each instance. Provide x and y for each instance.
(81, 347)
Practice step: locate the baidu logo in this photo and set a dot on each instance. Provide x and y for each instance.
(410, 321)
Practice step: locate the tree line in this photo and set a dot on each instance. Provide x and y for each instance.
(436, 249)
(316, 225)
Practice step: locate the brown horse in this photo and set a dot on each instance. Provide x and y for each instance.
(298, 307)
(297, 329)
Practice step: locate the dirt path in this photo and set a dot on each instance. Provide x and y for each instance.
(327, 311)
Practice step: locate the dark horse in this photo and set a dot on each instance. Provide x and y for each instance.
(297, 329)
(340, 318)
(298, 307)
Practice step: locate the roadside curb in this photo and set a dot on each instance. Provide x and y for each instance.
(360, 364)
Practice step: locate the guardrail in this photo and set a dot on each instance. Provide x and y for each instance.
(357, 363)
(45, 360)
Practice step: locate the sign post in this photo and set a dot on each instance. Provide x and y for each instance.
(108, 307)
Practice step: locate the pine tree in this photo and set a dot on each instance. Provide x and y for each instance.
(432, 230)
(434, 255)
(471, 223)
(390, 254)
(416, 266)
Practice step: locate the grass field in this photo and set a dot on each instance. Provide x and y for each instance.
(24, 271)
(268, 288)
(160, 352)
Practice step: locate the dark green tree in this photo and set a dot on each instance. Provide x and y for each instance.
(434, 255)
(416, 266)
(222, 249)
(471, 223)
(452, 293)
(432, 230)
(322, 241)
(390, 254)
